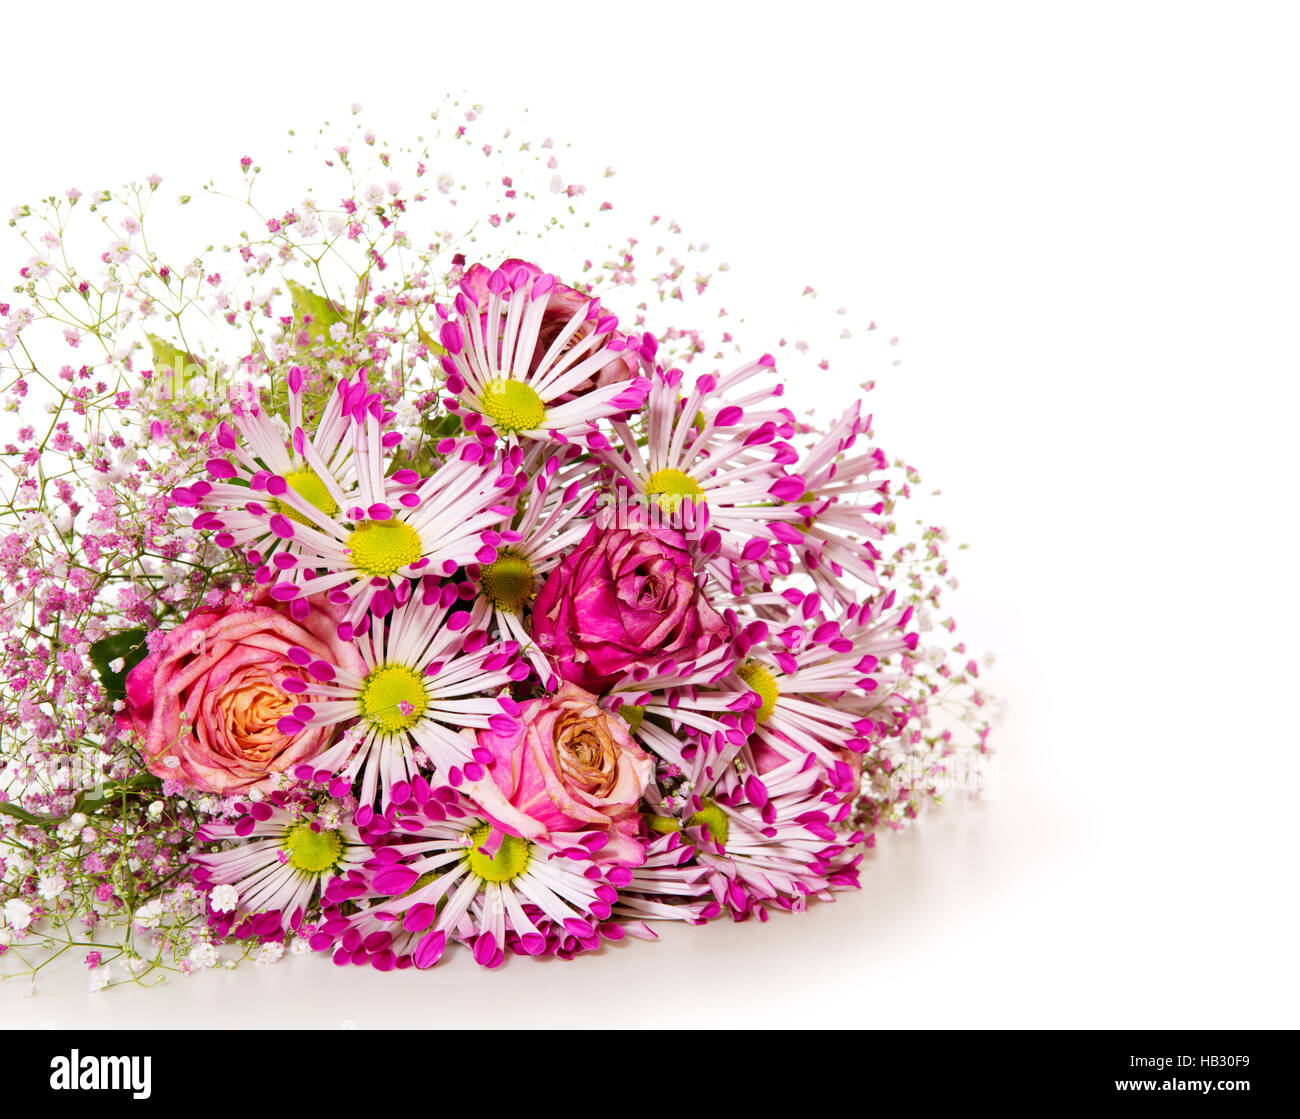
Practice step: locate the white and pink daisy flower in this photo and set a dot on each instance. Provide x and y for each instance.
(671, 885)
(444, 874)
(278, 855)
(333, 520)
(830, 687)
(431, 670)
(844, 498)
(498, 381)
(553, 508)
(685, 725)
(693, 718)
(314, 476)
(776, 842)
(717, 472)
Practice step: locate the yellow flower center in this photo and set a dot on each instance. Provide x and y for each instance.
(307, 485)
(510, 861)
(762, 681)
(512, 406)
(669, 486)
(382, 547)
(393, 697)
(313, 851)
(508, 581)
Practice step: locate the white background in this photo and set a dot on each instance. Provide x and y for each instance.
(1082, 222)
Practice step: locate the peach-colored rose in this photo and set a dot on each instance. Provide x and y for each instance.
(207, 701)
(570, 766)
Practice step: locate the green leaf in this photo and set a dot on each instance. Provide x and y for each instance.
(170, 359)
(435, 347)
(440, 427)
(322, 312)
(130, 646)
(173, 368)
(22, 814)
(90, 802)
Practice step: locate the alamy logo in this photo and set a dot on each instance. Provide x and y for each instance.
(88, 1073)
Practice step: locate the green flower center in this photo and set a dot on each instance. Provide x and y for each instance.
(424, 880)
(664, 825)
(713, 820)
(632, 715)
(508, 581)
(762, 681)
(307, 485)
(669, 486)
(382, 547)
(512, 406)
(393, 697)
(313, 851)
(807, 499)
(710, 817)
(510, 861)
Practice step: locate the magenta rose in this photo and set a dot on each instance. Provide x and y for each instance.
(625, 599)
(563, 304)
(568, 767)
(207, 701)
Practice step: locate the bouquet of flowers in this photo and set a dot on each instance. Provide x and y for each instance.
(370, 596)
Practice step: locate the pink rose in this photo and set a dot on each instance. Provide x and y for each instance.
(569, 766)
(563, 304)
(208, 699)
(626, 599)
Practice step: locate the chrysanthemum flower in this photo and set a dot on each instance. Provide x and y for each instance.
(671, 885)
(448, 875)
(333, 520)
(561, 305)
(844, 497)
(773, 842)
(695, 719)
(684, 724)
(552, 508)
(718, 472)
(431, 670)
(498, 382)
(282, 853)
(830, 686)
(318, 473)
